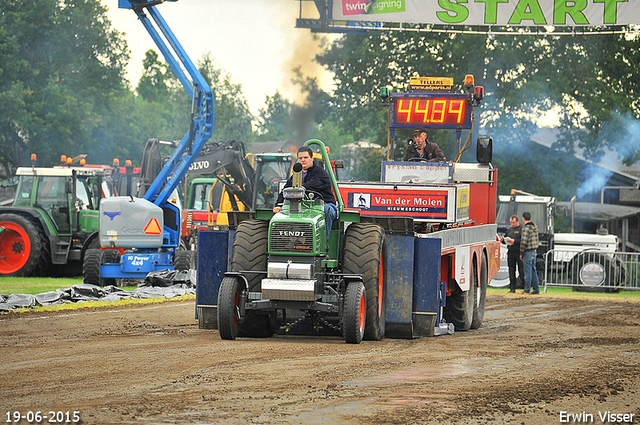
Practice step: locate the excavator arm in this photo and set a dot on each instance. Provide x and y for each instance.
(229, 163)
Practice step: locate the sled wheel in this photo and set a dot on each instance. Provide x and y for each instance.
(460, 305)
(23, 249)
(354, 319)
(229, 314)
(365, 254)
(249, 253)
(481, 294)
(185, 260)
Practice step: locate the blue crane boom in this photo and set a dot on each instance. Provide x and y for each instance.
(147, 230)
(201, 126)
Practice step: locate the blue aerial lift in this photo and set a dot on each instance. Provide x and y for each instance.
(146, 231)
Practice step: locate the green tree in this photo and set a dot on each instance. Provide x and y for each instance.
(233, 120)
(152, 86)
(590, 80)
(162, 107)
(60, 67)
(275, 120)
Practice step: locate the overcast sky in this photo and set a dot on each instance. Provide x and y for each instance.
(253, 40)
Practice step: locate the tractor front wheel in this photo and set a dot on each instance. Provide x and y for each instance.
(355, 307)
(229, 314)
(249, 254)
(23, 249)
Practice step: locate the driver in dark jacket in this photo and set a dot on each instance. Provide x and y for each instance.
(316, 179)
(423, 149)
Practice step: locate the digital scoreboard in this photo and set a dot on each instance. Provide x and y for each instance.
(430, 110)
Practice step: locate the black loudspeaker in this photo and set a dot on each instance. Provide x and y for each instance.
(484, 150)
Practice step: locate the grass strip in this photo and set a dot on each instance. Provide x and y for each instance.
(568, 293)
(37, 285)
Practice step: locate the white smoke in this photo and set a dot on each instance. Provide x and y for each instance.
(627, 145)
(597, 178)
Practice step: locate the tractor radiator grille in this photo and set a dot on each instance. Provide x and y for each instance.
(291, 237)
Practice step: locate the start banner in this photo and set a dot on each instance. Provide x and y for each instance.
(492, 12)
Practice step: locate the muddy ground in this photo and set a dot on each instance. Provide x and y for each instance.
(534, 358)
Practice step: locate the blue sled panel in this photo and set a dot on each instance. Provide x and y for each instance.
(213, 255)
(413, 285)
(400, 248)
(426, 286)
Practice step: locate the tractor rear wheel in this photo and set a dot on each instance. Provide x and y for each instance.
(355, 306)
(365, 253)
(460, 305)
(249, 250)
(481, 294)
(229, 307)
(249, 253)
(24, 250)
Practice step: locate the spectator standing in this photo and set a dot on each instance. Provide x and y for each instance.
(529, 242)
(512, 239)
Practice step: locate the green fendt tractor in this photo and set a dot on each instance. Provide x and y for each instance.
(53, 220)
(282, 263)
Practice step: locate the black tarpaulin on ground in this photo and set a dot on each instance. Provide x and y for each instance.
(161, 284)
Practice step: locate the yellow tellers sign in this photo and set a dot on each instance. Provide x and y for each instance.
(431, 83)
(492, 12)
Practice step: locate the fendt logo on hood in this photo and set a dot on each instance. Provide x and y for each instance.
(294, 233)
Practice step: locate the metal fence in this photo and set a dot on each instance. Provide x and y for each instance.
(592, 270)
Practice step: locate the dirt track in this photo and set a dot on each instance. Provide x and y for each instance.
(534, 358)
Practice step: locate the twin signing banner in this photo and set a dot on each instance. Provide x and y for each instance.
(492, 12)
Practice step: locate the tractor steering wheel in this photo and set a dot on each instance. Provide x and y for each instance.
(312, 192)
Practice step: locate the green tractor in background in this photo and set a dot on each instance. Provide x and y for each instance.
(53, 220)
(281, 263)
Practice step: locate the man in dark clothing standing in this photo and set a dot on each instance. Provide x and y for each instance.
(316, 179)
(529, 242)
(512, 239)
(421, 148)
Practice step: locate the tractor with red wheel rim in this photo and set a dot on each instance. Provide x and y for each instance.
(409, 256)
(286, 263)
(54, 218)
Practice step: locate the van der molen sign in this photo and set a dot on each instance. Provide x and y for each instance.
(492, 12)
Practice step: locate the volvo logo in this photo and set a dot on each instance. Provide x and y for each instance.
(199, 165)
(294, 233)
